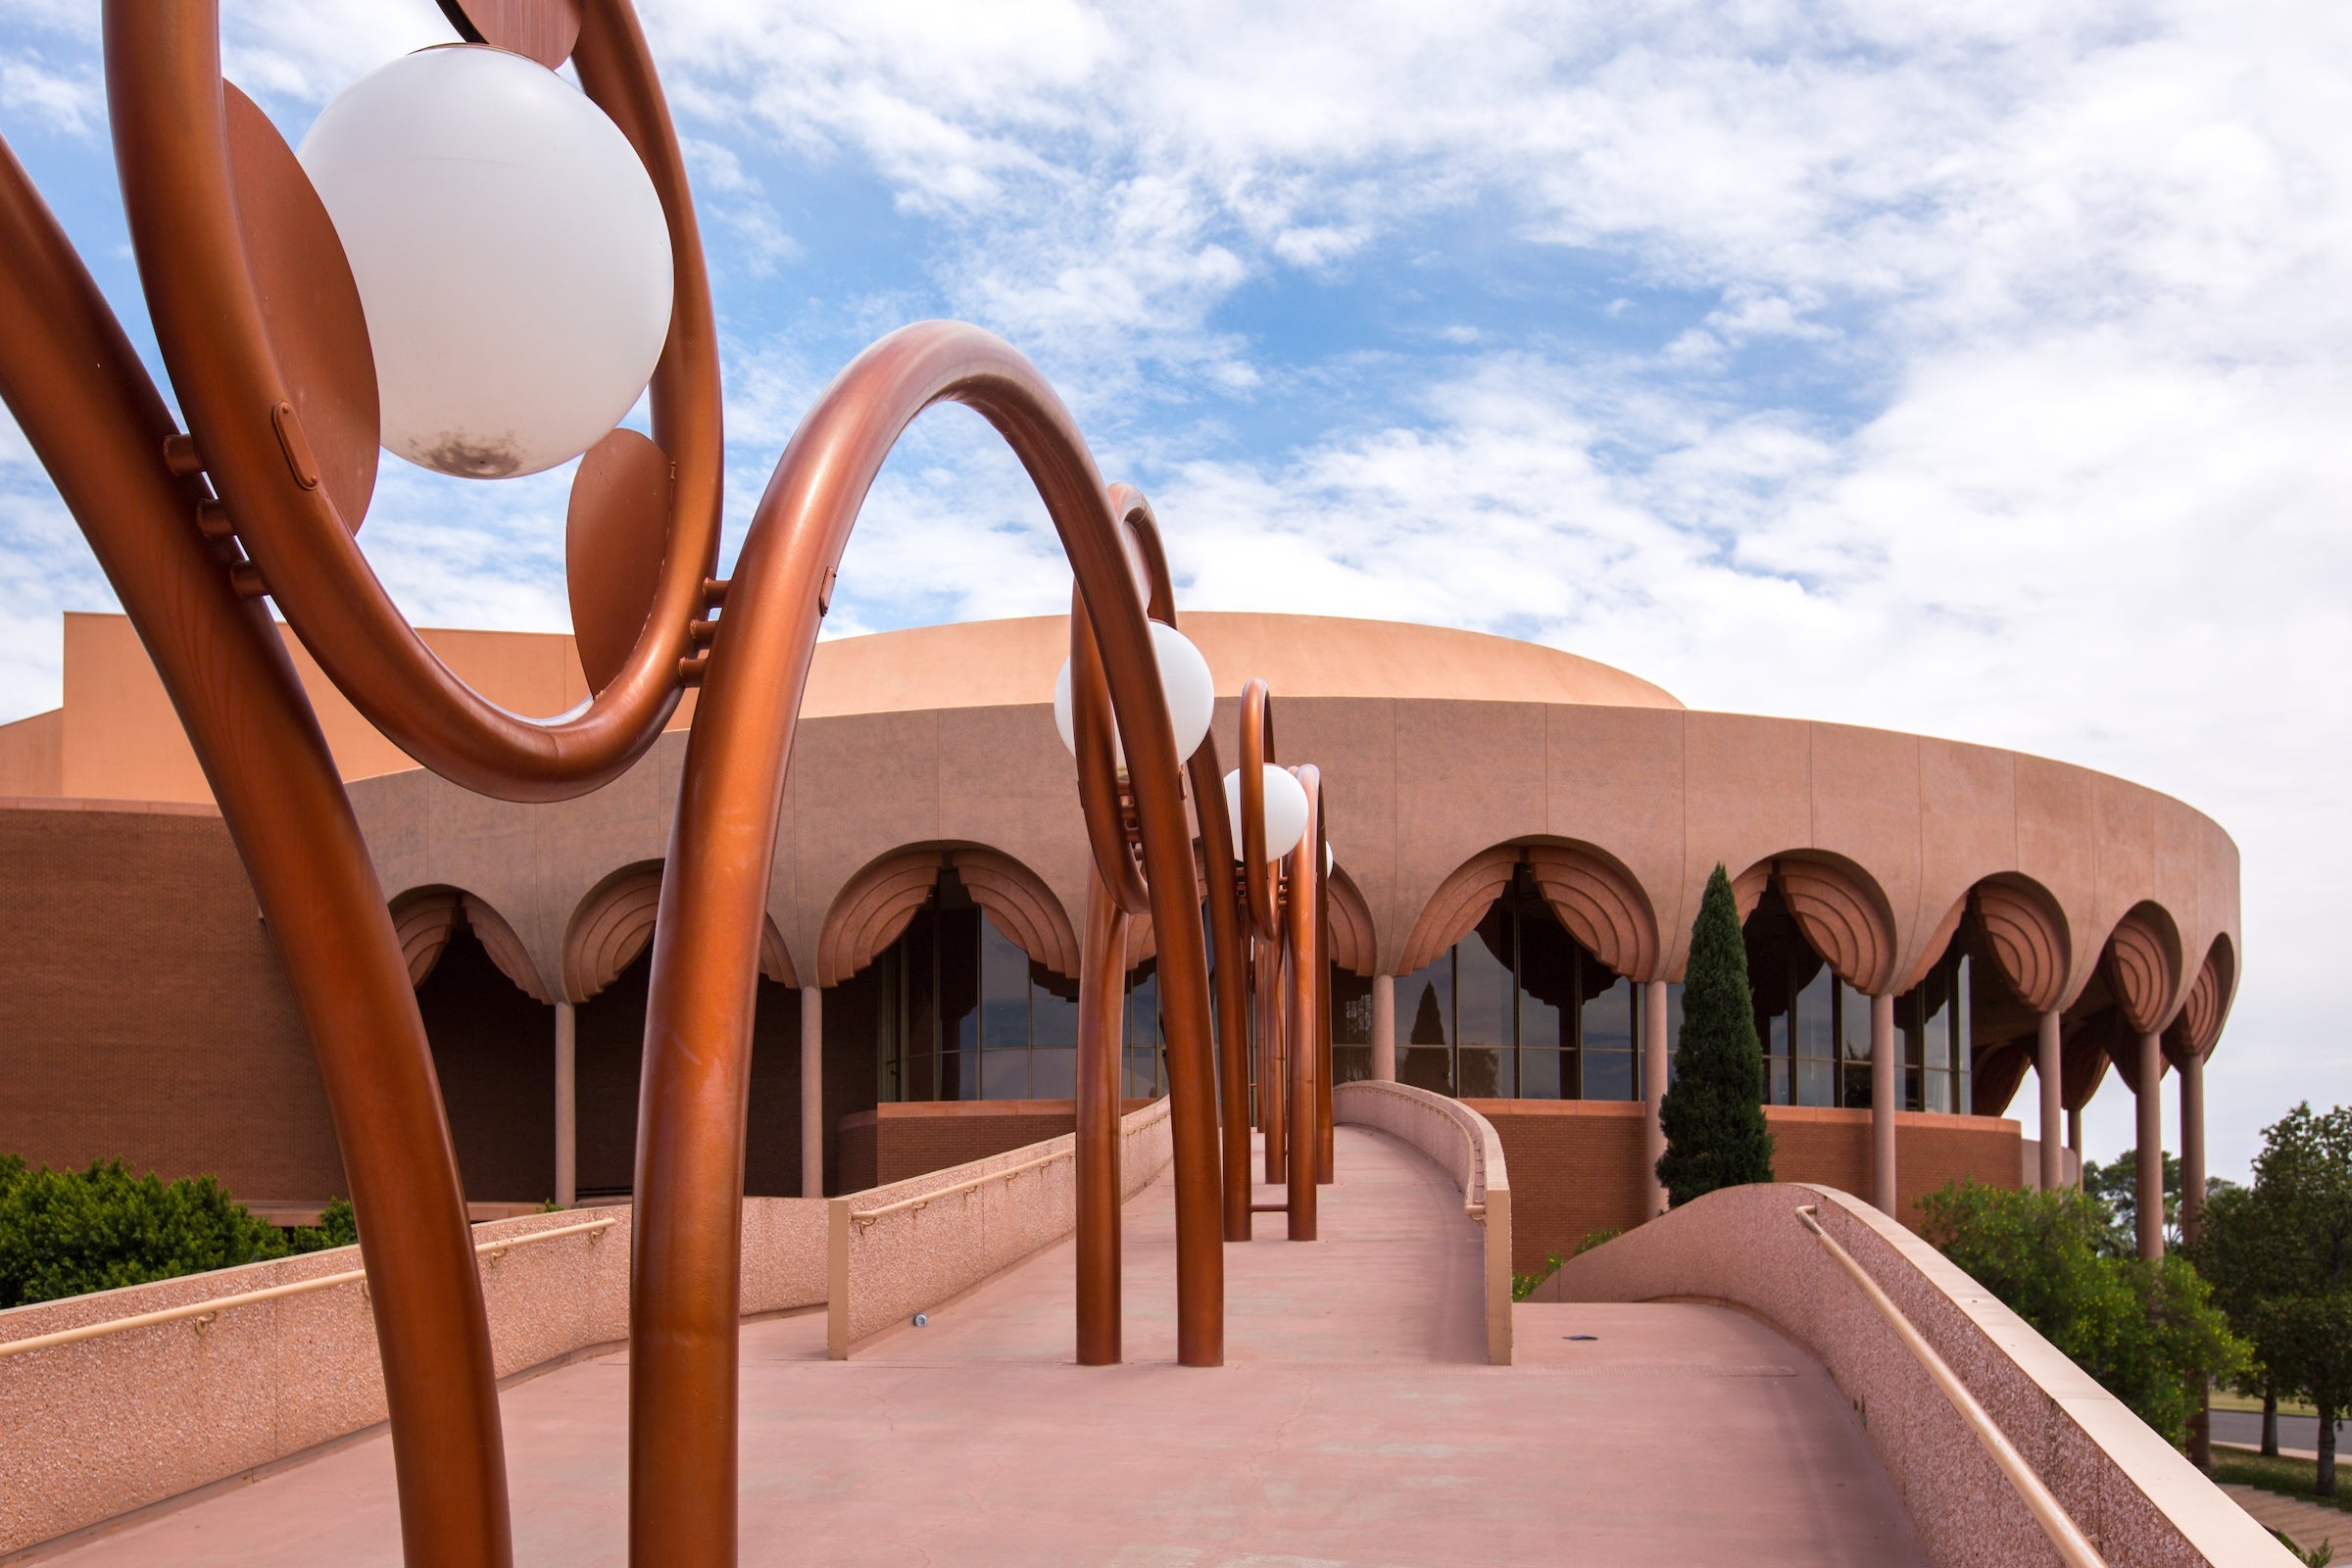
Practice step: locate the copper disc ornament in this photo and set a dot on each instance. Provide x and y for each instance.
(540, 30)
(317, 330)
(615, 537)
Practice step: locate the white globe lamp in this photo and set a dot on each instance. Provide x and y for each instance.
(1184, 681)
(511, 255)
(1285, 810)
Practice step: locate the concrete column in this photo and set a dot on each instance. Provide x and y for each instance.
(1384, 1028)
(568, 1105)
(2149, 1103)
(1654, 1058)
(812, 1092)
(1886, 1097)
(2192, 1148)
(2047, 1071)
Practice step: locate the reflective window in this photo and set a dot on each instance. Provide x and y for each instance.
(963, 1013)
(1350, 996)
(1815, 1028)
(1518, 1009)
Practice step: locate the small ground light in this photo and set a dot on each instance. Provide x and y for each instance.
(1584, 1336)
(921, 1319)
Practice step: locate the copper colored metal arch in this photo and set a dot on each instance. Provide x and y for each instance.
(165, 101)
(100, 428)
(1228, 942)
(1258, 750)
(686, 1269)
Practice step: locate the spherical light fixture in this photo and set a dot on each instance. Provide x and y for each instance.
(1285, 810)
(1184, 681)
(511, 253)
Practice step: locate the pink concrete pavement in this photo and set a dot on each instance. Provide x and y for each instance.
(1356, 1424)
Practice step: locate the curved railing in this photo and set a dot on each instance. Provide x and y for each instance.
(893, 1252)
(126, 1397)
(1867, 1308)
(1465, 1145)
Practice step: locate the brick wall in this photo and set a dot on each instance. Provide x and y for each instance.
(1575, 1165)
(145, 1014)
(891, 1142)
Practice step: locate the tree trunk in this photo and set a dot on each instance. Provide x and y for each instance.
(2270, 1424)
(2326, 1483)
(2200, 1426)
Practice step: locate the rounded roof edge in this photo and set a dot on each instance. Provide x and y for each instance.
(990, 663)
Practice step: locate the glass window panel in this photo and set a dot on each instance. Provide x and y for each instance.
(1608, 1074)
(920, 955)
(1004, 991)
(1816, 1015)
(1777, 1081)
(1142, 1072)
(1816, 1082)
(1052, 1008)
(1143, 1004)
(1484, 989)
(1005, 1074)
(922, 1075)
(1674, 1025)
(1425, 1011)
(1052, 1072)
(1350, 996)
(1964, 1051)
(1484, 1073)
(1547, 996)
(1608, 1021)
(959, 1072)
(890, 1048)
(1539, 1074)
(1910, 1027)
(958, 979)
(1350, 1064)
(1776, 1057)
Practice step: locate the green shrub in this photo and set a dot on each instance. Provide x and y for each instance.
(66, 1233)
(1595, 1239)
(2147, 1331)
(335, 1228)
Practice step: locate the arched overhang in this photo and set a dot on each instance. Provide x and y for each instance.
(2193, 1033)
(614, 923)
(2141, 965)
(870, 913)
(1589, 890)
(423, 920)
(2025, 937)
(1351, 937)
(1837, 906)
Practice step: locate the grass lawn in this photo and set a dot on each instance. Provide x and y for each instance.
(2224, 1399)
(2292, 1476)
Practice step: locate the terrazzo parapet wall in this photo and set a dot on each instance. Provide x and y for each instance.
(887, 1263)
(97, 1427)
(1465, 1144)
(2139, 1501)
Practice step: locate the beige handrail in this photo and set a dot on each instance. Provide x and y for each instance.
(206, 1310)
(863, 1217)
(2072, 1545)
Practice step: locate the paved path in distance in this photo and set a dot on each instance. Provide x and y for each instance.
(1356, 1423)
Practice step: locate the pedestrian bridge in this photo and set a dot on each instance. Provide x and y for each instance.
(1359, 1418)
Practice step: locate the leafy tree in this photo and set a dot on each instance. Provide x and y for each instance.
(2116, 1184)
(2147, 1331)
(2242, 1257)
(64, 1233)
(2300, 1213)
(1714, 1113)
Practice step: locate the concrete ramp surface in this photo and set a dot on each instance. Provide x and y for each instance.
(1356, 1423)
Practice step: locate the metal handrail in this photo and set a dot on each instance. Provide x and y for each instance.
(863, 1217)
(2072, 1545)
(206, 1310)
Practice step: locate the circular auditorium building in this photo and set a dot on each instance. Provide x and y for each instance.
(1521, 837)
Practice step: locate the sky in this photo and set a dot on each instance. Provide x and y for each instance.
(1972, 369)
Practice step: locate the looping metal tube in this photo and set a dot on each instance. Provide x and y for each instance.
(1258, 874)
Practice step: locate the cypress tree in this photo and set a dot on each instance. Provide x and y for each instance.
(1714, 1115)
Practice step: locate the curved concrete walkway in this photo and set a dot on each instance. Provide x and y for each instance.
(1356, 1423)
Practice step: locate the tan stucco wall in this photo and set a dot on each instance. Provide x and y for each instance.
(1416, 787)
